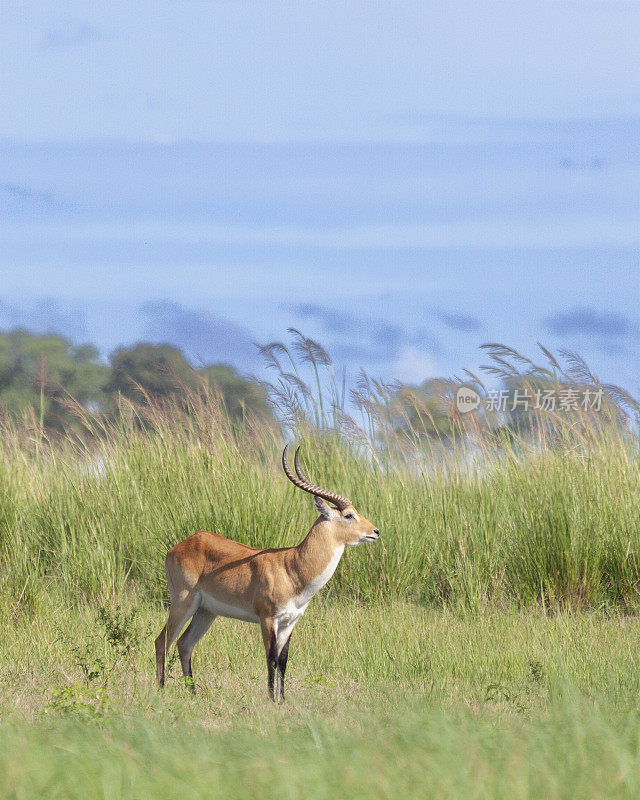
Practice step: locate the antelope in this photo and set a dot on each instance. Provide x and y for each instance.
(209, 575)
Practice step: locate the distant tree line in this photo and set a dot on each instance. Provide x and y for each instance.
(45, 372)
(46, 376)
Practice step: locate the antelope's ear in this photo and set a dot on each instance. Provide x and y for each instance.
(327, 511)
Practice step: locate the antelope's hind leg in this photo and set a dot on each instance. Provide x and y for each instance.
(199, 625)
(179, 613)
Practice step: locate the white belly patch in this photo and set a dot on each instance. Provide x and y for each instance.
(214, 606)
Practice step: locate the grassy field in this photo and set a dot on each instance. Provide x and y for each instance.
(486, 646)
(384, 700)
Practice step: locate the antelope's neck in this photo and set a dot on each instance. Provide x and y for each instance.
(314, 561)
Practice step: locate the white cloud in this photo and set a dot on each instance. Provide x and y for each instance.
(413, 366)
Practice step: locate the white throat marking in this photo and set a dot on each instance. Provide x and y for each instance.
(287, 616)
(319, 581)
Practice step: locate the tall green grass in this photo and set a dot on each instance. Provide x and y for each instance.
(484, 516)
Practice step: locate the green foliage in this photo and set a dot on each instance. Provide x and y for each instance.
(120, 629)
(44, 372)
(78, 700)
(53, 384)
(150, 371)
(100, 657)
(239, 396)
(425, 410)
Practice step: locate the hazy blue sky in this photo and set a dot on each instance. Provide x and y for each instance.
(403, 180)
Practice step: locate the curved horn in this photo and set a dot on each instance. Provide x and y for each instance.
(302, 482)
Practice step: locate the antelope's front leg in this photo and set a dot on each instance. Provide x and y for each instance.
(270, 639)
(284, 637)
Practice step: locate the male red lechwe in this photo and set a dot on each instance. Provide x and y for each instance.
(210, 576)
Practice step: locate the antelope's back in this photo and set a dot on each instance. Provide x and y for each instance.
(207, 558)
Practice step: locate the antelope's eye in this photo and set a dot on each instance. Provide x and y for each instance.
(348, 516)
